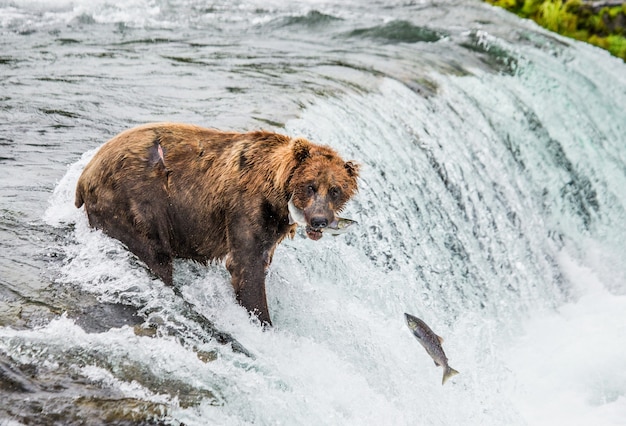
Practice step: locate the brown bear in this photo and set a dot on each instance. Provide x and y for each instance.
(171, 190)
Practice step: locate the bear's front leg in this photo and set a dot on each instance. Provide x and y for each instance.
(248, 279)
(247, 262)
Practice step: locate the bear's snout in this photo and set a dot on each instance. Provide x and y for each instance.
(316, 223)
(319, 222)
(318, 215)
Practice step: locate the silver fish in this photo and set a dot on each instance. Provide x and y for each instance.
(339, 226)
(432, 343)
(295, 214)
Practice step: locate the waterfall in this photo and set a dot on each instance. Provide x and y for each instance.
(491, 205)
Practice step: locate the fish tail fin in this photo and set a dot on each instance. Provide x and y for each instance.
(447, 373)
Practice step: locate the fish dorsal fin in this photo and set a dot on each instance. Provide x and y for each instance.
(440, 339)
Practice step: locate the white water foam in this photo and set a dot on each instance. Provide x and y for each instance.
(569, 365)
(34, 14)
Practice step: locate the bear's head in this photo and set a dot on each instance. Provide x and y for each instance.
(320, 186)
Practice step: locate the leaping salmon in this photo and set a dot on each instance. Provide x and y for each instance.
(432, 343)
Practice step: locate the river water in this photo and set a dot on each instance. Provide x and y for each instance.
(491, 205)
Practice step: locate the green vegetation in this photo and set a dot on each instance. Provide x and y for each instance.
(599, 23)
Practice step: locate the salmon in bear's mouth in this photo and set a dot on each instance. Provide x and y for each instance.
(296, 215)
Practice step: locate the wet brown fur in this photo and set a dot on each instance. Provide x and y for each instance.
(173, 190)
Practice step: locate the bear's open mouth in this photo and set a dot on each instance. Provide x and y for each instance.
(313, 233)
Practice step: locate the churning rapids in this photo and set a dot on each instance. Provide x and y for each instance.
(491, 205)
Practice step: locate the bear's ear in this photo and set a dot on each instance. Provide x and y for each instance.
(301, 149)
(352, 168)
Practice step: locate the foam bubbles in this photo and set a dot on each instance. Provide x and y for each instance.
(569, 364)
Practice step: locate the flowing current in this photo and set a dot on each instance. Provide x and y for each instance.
(491, 205)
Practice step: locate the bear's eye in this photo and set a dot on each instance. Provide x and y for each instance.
(334, 193)
(310, 190)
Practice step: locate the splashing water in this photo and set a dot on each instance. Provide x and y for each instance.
(491, 205)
